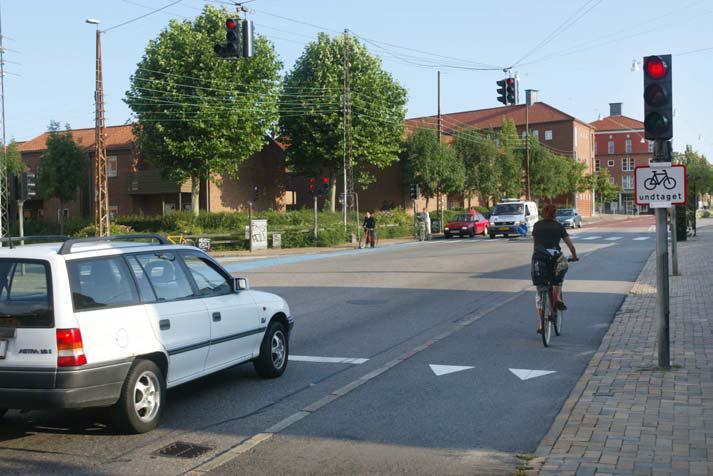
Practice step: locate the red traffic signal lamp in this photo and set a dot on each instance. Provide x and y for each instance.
(658, 99)
(325, 186)
(231, 47)
(312, 187)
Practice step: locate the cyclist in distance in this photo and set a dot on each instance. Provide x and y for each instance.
(547, 234)
(369, 226)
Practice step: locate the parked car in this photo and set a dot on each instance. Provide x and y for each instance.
(467, 224)
(116, 321)
(569, 217)
(511, 215)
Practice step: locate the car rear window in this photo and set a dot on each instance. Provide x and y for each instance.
(25, 294)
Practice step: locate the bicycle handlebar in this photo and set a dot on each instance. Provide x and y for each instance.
(572, 260)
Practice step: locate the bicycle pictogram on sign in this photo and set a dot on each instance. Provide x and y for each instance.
(660, 177)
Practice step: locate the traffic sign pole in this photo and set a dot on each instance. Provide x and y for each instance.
(674, 243)
(662, 284)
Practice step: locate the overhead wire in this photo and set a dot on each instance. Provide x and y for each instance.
(141, 17)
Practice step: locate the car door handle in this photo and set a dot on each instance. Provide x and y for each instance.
(216, 317)
(164, 324)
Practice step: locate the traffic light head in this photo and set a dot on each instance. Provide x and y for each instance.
(312, 186)
(256, 193)
(248, 39)
(415, 192)
(510, 90)
(231, 47)
(502, 91)
(658, 100)
(324, 190)
(29, 186)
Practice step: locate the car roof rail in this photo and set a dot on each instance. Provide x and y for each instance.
(13, 241)
(66, 247)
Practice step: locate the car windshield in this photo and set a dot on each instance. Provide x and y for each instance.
(25, 299)
(508, 209)
(463, 217)
(565, 212)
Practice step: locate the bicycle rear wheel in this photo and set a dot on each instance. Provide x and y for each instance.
(545, 322)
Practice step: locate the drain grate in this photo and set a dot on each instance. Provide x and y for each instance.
(181, 449)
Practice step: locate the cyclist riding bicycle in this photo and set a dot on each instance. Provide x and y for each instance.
(547, 234)
(369, 227)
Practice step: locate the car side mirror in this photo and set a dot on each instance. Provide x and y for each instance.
(240, 284)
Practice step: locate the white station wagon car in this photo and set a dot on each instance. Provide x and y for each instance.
(116, 321)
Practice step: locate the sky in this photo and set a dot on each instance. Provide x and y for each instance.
(577, 53)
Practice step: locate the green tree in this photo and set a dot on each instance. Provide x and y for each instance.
(15, 165)
(479, 154)
(311, 111)
(61, 168)
(510, 159)
(199, 114)
(604, 189)
(699, 172)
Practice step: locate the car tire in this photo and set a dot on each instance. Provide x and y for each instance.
(146, 382)
(274, 352)
(579, 225)
(471, 233)
(485, 230)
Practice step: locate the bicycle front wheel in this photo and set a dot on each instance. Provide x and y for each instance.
(559, 318)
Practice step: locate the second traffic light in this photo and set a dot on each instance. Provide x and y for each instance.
(415, 191)
(507, 91)
(239, 40)
(658, 98)
(29, 186)
(321, 189)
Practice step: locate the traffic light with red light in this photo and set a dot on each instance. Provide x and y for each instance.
(658, 98)
(231, 47)
(312, 186)
(324, 190)
(507, 92)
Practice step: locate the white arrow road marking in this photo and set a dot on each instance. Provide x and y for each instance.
(641, 238)
(447, 369)
(527, 374)
(326, 360)
(592, 238)
(613, 238)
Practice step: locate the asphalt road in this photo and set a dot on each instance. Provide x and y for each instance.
(441, 337)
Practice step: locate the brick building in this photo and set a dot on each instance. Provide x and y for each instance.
(620, 147)
(560, 132)
(136, 186)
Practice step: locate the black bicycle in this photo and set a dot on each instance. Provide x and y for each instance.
(551, 317)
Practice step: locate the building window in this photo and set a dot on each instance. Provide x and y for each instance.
(627, 164)
(111, 166)
(651, 146)
(627, 182)
(548, 135)
(523, 135)
(536, 134)
(113, 211)
(610, 163)
(627, 146)
(610, 147)
(611, 180)
(597, 165)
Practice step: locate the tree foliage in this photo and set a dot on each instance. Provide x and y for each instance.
(479, 154)
(510, 160)
(699, 172)
(14, 159)
(604, 189)
(199, 114)
(431, 164)
(61, 169)
(311, 115)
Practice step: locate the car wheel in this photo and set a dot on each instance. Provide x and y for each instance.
(579, 225)
(485, 231)
(142, 398)
(471, 233)
(274, 352)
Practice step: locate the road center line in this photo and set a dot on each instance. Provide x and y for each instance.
(592, 238)
(613, 238)
(327, 360)
(641, 238)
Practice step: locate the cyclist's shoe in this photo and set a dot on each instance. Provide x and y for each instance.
(539, 331)
(560, 306)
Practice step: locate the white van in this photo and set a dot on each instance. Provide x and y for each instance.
(510, 214)
(115, 322)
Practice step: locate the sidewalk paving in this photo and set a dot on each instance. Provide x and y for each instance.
(624, 416)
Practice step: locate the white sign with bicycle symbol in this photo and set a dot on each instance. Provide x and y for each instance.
(660, 187)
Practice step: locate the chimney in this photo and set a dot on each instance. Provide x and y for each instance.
(530, 96)
(615, 109)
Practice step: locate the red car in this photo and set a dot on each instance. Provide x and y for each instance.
(467, 224)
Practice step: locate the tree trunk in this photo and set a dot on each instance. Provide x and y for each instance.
(195, 195)
(333, 194)
(469, 199)
(61, 218)
(427, 200)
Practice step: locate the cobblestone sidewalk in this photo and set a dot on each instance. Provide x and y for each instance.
(626, 417)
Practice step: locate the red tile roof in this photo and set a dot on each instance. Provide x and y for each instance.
(116, 136)
(617, 123)
(492, 118)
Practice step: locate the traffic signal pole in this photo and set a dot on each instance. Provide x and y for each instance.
(315, 217)
(662, 289)
(674, 243)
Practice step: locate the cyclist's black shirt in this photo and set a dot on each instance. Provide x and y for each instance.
(548, 233)
(370, 222)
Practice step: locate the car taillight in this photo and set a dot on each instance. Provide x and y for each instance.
(70, 350)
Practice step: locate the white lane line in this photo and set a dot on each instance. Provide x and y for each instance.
(526, 374)
(447, 369)
(641, 238)
(613, 238)
(327, 360)
(592, 238)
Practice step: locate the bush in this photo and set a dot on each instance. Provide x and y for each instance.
(90, 230)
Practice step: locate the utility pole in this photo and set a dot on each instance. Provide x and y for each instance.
(439, 132)
(347, 123)
(101, 189)
(527, 142)
(4, 196)
(315, 217)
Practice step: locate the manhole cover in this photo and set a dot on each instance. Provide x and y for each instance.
(181, 449)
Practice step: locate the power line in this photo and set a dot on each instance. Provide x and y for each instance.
(142, 16)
